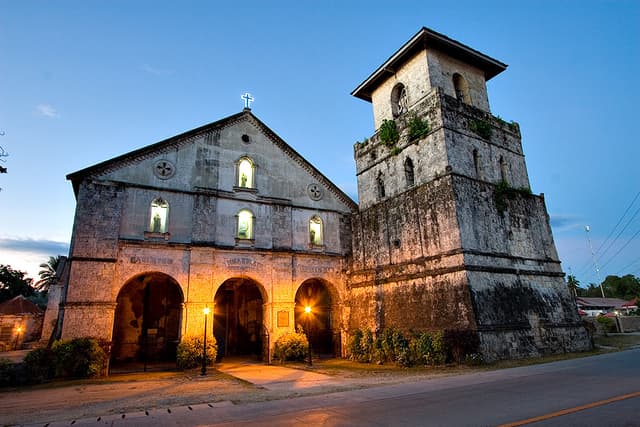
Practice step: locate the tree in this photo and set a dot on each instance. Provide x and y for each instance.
(48, 274)
(625, 287)
(14, 283)
(573, 285)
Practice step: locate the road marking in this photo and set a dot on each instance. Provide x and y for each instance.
(571, 410)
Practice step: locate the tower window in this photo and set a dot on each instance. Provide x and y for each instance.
(315, 231)
(245, 225)
(159, 216)
(245, 173)
(380, 186)
(408, 172)
(399, 100)
(461, 88)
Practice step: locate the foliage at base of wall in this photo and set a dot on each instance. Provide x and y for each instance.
(504, 191)
(189, 353)
(414, 348)
(388, 133)
(608, 324)
(77, 358)
(291, 346)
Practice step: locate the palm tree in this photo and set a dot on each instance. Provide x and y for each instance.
(573, 285)
(48, 273)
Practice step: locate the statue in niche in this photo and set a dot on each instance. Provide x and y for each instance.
(157, 223)
(243, 180)
(243, 228)
(312, 236)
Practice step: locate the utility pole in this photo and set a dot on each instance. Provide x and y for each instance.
(593, 257)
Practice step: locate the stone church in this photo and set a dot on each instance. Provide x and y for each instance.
(445, 236)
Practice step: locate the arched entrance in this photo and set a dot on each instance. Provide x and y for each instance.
(147, 320)
(318, 324)
(238, 318)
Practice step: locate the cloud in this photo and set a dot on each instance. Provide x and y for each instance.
(24, 254)
(47, 110)
(162, 72)
(49, 247)
(565, 222)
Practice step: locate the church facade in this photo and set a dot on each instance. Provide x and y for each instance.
(228, 216)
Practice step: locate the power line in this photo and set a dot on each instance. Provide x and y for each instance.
(618, 223)
(619, 233)
(627, 266)
(620, 250)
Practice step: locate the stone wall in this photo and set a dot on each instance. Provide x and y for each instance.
(630, 323)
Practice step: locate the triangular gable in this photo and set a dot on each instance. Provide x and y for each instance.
(189, 136)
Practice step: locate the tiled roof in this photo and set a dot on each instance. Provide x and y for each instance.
(19, 305)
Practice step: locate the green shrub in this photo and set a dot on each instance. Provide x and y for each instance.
(608, 324)
(354, 346)
(40, 365)
(481, 128)
(388, 133)
(79, 358)
(189, 353)
(438, 354)
(291, 346)
(417, 128)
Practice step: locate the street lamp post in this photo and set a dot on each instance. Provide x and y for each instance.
(203, 371)
(307, 312)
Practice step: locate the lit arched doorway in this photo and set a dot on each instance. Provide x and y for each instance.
(318, 325)
(238, 326)
(146, 326)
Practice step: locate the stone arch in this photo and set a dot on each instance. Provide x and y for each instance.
(239, 317)
(399, 100)
(461, 88)
(147, 319)
(322, 324)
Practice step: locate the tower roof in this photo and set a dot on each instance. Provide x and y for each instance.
(424, 39)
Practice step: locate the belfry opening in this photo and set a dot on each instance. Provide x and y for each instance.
(147, 320)
(238, 326)
(313, 313)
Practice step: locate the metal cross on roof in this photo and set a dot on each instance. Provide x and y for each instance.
(248, 99)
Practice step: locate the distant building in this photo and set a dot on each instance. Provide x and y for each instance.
(446, 235)
(596, 306)
(20, 322)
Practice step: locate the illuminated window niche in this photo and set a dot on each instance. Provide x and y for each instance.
(245, 225)
(315, 231)
(159, 216)
(246, 171)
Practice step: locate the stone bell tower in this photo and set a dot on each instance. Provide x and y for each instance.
(448, 235)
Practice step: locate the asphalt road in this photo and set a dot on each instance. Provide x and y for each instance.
(600, 391)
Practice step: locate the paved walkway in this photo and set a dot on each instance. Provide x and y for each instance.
(275, 377)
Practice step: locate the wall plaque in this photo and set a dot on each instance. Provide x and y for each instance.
(283, 319)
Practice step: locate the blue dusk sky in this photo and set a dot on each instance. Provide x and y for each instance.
(85, 81)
